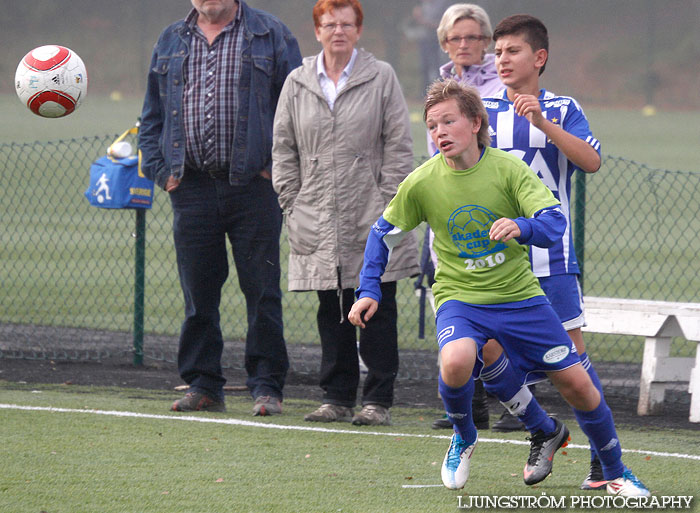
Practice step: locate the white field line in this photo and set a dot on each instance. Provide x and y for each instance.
(248, 423)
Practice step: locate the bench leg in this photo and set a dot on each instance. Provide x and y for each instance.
(651, 393)
(694, 389)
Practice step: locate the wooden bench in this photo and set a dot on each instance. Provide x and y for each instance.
(659, 322)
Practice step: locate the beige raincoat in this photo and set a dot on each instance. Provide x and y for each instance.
(335, 171)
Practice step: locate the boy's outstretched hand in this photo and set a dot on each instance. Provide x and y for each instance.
(366, 306)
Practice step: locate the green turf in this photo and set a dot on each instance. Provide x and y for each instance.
(663, 141)
(82, 462)
(98, 115)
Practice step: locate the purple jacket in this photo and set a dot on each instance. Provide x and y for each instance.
(483, 77)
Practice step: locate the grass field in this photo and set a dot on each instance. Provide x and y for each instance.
(115, 451)
(665, 140)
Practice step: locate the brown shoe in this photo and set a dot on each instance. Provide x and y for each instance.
(330, 413)
(196, 401)
(267, 405)
(372, 415)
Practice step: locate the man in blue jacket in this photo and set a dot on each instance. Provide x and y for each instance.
(206, 139)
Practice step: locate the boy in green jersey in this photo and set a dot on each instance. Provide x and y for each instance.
(485, 206)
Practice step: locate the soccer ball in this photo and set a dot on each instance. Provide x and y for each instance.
(51, 81)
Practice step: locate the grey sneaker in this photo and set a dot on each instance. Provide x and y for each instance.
(372, 415)
(267, 405)
(542, 449)
(330, 413)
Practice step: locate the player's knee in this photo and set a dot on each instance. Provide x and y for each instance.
(580, 393)
(589, 398)
(457, 361)
(454, 374)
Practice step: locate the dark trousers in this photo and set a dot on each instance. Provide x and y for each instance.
(340, 367)
(205, 212)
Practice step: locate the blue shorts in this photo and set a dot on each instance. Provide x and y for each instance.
(564, 292)
(530, 332)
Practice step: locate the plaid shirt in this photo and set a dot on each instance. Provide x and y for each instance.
(210, 101)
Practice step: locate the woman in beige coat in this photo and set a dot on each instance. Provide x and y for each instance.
(342, 145)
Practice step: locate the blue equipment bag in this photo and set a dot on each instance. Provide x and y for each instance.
(119, 183)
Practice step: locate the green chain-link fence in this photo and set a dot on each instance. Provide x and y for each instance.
(67, 269)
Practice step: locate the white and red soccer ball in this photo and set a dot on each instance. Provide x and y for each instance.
(51, 81)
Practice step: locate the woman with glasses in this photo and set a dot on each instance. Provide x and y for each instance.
(464, 34)
(341, 146)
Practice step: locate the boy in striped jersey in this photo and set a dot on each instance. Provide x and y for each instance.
(551, 134)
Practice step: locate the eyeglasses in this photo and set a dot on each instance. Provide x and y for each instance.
(456, 40)
(330, 27)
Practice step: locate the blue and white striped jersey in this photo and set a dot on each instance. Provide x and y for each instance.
(516, 135)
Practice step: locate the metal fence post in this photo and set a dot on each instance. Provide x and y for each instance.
(139, 274)
(580, 221)
(139, 279)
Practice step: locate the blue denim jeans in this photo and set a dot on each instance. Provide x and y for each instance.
(205, 212)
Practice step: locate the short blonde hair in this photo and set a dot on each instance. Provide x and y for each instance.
(457, 12)
(468, 101)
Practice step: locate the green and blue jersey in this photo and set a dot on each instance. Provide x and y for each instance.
(461, 206)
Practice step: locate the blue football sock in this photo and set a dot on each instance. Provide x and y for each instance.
(535, 418)
(500, 380)
(588, 366)
(458, 405)
(599, 427)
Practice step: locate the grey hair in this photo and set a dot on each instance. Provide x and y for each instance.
(457, 12)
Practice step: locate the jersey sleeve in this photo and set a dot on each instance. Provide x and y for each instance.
(576, 123)
(405, 211)
(382, 238)
(402, 215)
(544, 229)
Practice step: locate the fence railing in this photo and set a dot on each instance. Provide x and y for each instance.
(67, 269)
